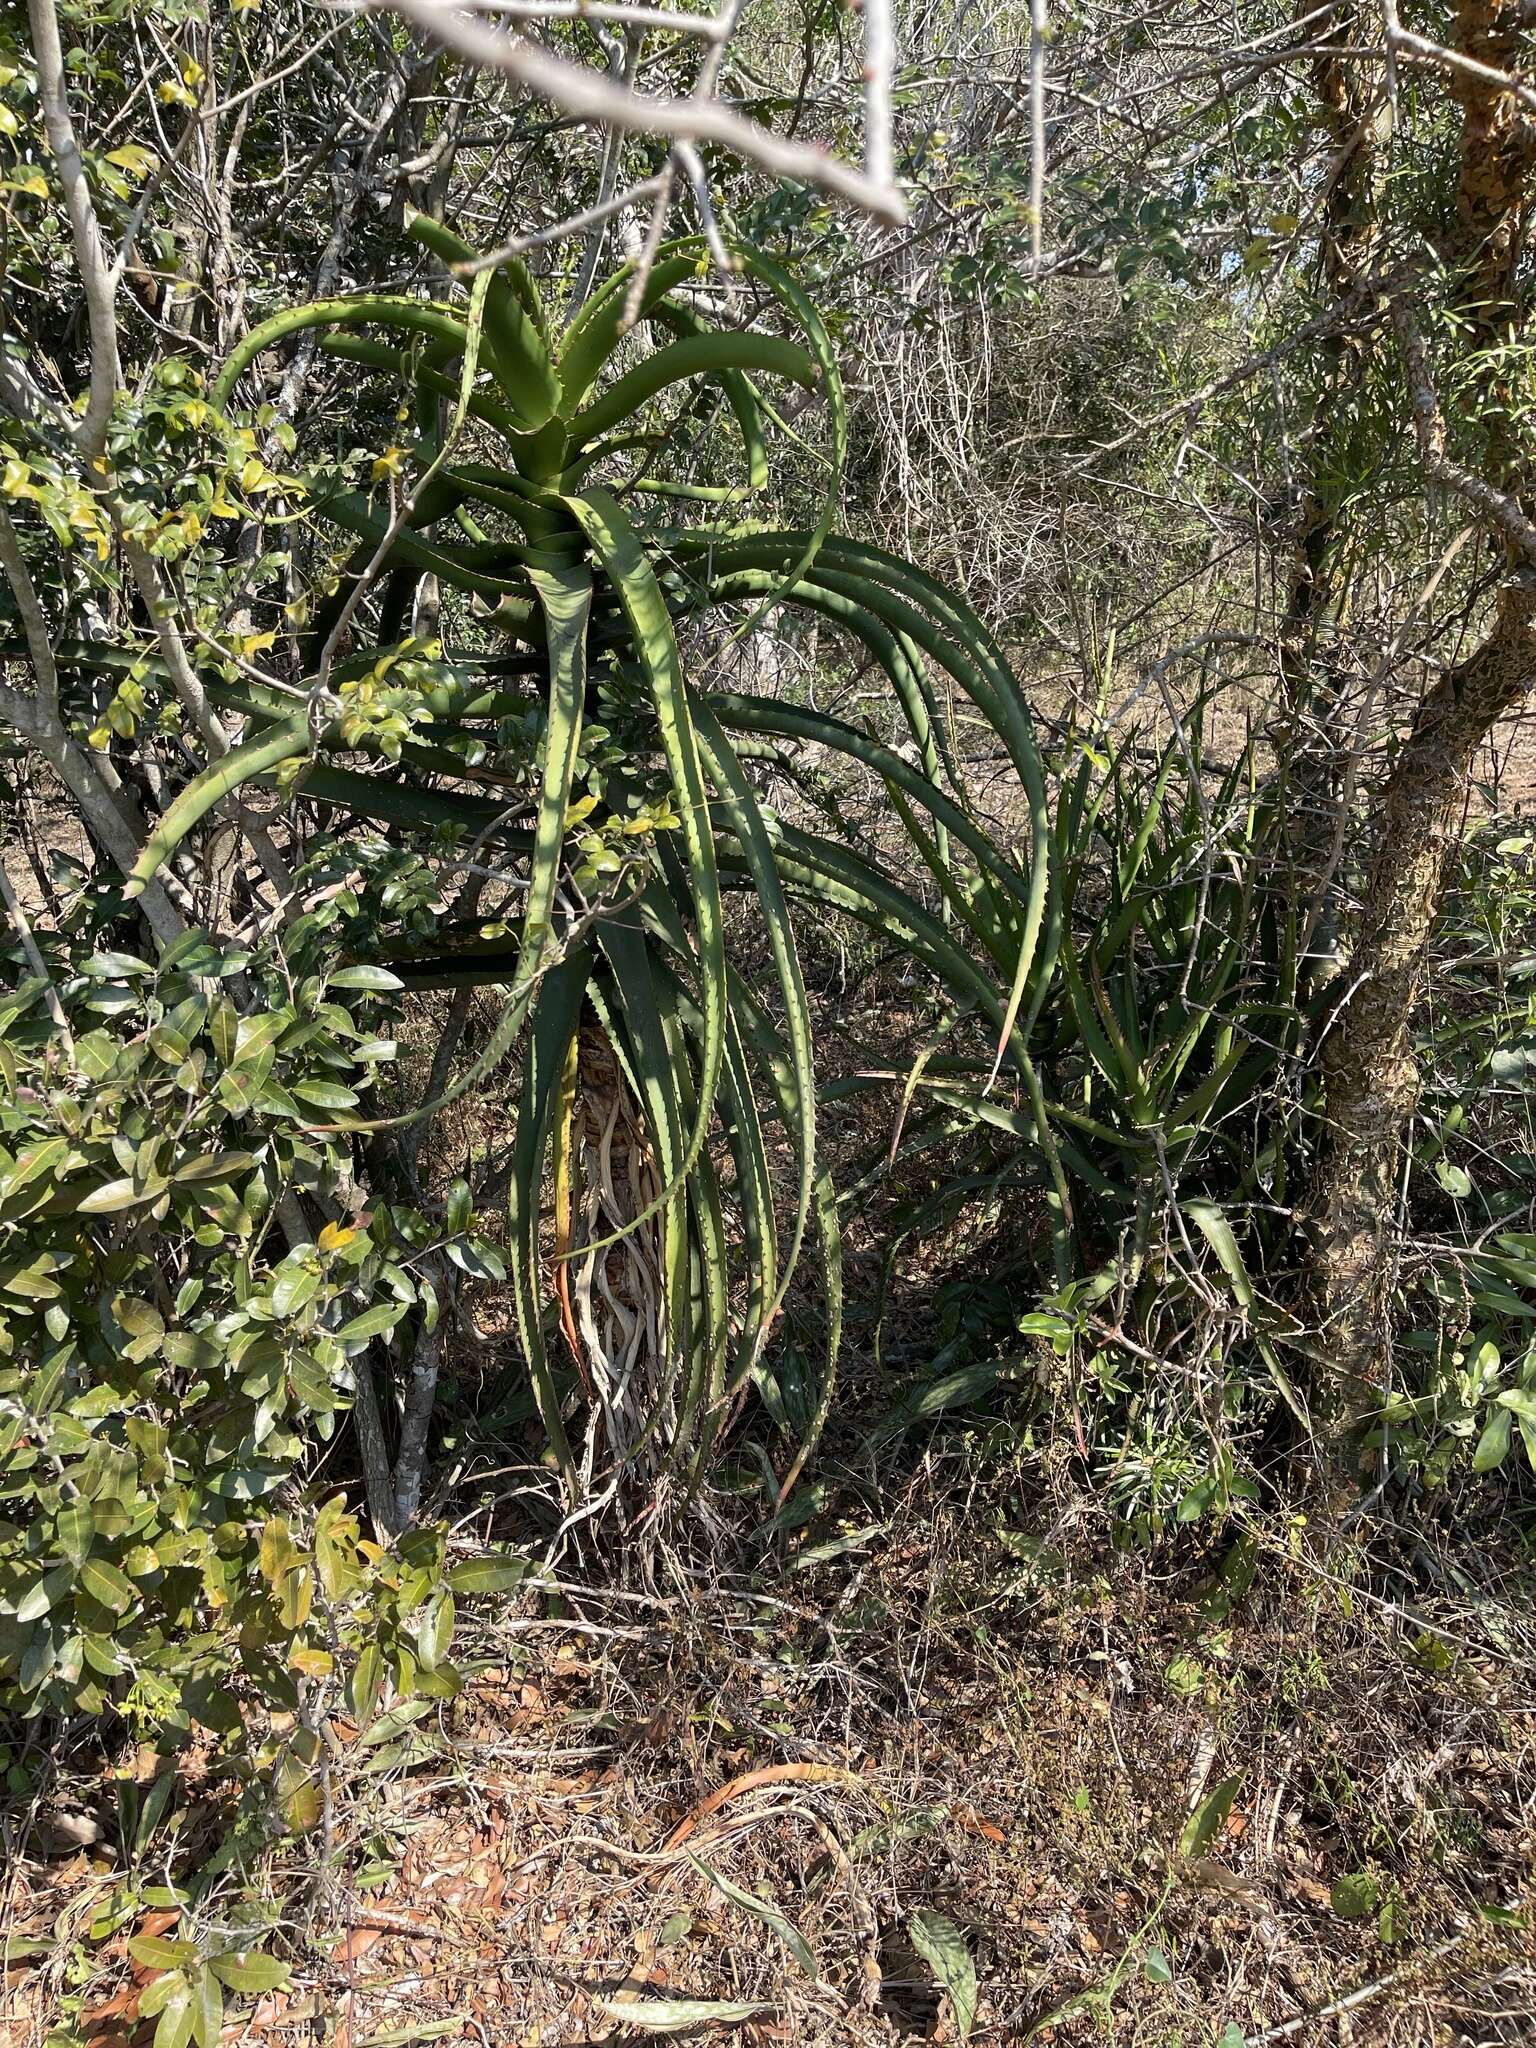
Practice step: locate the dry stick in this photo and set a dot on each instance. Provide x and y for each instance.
(693, 171)
(593, 98)
(865, 1916)
(1415, 1966)
(36, 962)
(99, 281)
(1036, 132)
(648, 248)
(1393, 29)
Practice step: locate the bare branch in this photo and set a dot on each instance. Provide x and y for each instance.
(1036, 133)
(879, 65)
(591, 97)
(1498, 507)
(90, 256)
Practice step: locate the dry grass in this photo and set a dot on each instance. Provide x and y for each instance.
(901, 1715)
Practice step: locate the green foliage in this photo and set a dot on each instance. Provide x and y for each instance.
(169, 1362)
(644, 808)
(1471, 1324)
(1163, 1037)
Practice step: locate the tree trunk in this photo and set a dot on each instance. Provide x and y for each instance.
(1367, 1059)
(1369, 1069)
(1314, 666)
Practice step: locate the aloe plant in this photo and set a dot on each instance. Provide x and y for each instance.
(546, 504)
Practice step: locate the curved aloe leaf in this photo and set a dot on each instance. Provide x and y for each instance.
(258, 756)
(518, 341)
(695, 355)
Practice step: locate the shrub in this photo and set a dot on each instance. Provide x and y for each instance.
(172, 1358)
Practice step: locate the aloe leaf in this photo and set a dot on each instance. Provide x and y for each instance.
(361, 310)
(763, 1040)
(532, 390)
(594, 333)
(696, 355)
(794, 721)
(431, 382)
(1212, 1223)
(557, 1014)
(746, 820)
(256, 757)
(621, 942)
(626, 566)
(565, 596)
(739, 396)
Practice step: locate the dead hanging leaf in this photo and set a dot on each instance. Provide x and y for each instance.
(1211, 1876)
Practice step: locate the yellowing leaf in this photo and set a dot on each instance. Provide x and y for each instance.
(137, 161)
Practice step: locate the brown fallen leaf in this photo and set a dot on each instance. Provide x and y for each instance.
(771, 1774)
(1212, 1876)
(967, 1818)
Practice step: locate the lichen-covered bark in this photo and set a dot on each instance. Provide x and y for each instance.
(1359, 126)
(1370, 1074)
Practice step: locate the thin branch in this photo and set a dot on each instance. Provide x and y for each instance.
(593, 98)
(623, 54)
(1404, 43)
(34, 622)
(693, 170)
(36, 962)
(90, 256)
(618, 16)
(184, 680)
(1498, 507)
(574, 224)
(1326, 326)
(1036, 133)
(705, 87)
